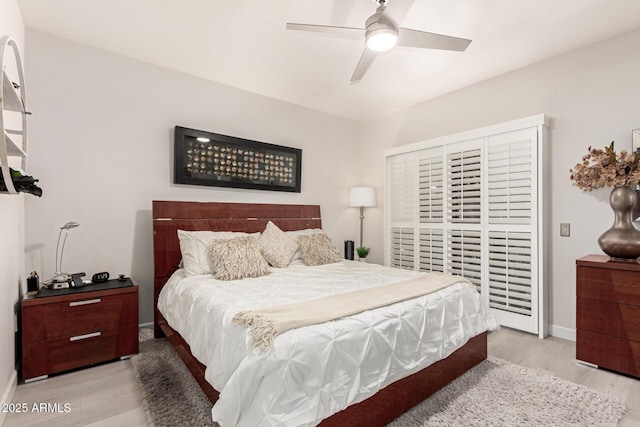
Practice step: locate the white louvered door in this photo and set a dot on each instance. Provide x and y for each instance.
(464, 207)
(431, 183)
(511, 221)
(469, 204)
(402, 190)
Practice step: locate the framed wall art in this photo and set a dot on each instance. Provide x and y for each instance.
(206, 158)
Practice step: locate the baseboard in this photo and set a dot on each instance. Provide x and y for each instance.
(148, 325)
(7, 396)
(562, 332)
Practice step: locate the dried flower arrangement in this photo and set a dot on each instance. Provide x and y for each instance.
(600, 168)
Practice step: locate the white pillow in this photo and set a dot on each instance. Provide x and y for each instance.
(276, 246)
(194, 246)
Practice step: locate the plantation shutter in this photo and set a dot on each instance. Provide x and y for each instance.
(402, 248)
(511, 223)
(402, 185)
(431, 256)
(464, 187)
(510, 272)
(469, 204)
(465, 255)
(431, 183)
(464, 206)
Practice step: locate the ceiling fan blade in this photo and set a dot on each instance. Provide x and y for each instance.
(363, 65)
(354, 33)
(422, 39)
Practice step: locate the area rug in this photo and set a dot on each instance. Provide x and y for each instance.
(494, 393)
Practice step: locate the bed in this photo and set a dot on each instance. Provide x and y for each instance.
(384, 404)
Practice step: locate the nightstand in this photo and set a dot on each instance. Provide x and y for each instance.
(608, 314)
(77, 327)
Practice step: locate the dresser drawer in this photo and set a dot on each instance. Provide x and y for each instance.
(618, 320)
(608, 284)
(618, 354)
(84, 314)
(62, 354)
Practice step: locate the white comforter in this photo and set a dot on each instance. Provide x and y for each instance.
(315, 371)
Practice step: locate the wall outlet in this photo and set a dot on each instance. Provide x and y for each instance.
(565, 229)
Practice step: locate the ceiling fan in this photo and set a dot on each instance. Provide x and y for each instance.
(381, 33)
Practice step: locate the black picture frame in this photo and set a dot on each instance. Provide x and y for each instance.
(207, 158)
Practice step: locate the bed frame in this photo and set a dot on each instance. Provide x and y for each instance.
(378, 410)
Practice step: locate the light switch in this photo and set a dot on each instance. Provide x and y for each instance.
(565, 229)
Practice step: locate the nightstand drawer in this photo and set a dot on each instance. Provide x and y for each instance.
(62, 354)
(608, 285)
(617, 320)
(82, 315)
(609, 352)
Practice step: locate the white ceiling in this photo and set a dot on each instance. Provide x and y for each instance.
(244, 43)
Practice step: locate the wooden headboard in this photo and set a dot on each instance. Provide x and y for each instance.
(171, 216)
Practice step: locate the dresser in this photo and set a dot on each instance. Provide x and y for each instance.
(77, 327)
(608, 313)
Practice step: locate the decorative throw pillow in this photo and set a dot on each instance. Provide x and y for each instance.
(237, 258)
(317, 249)
(294, 235)
(194, 246)
(276, 247)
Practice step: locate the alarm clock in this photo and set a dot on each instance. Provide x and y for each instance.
(100, 277)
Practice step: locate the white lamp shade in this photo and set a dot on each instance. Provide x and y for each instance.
(362, 196)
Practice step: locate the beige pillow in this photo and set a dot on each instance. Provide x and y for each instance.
(237, 258)
(194, 247)
(294, 235)
(276, 247)
(317, 249)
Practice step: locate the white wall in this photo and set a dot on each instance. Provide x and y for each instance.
(592, 97)
(101, 144)
(11, 238)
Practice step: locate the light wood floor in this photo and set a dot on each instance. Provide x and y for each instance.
(107, 395)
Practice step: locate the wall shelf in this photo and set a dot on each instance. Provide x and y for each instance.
(13, 142)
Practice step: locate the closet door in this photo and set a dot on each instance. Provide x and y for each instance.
(402, 186)
(511, 223)
(470, 205)
(464, 210)
(431, 215)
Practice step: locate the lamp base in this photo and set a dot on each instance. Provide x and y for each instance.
(59, 281)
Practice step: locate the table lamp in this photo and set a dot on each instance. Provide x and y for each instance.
(59, 276)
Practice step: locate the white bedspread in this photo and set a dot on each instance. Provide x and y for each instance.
(315, 371)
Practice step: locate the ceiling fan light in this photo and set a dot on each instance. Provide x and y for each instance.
(382, 39)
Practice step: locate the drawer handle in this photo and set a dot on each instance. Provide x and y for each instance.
(89, 301)
(85, 336)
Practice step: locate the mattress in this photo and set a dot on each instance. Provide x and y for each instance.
(318, 370)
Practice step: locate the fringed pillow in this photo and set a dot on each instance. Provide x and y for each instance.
(317, 249)
(194, 246)
(294, 235)
(237, 258)
(276, 247)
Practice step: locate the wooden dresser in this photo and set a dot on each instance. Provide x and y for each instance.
(73, 328)
(608, 313)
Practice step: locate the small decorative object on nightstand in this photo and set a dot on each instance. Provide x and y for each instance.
(76, 327)
(608, 313)
(363, 251)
